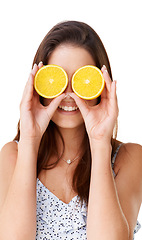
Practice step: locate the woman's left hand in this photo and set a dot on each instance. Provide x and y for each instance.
(100, 119)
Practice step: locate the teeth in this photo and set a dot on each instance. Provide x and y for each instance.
(65, 108)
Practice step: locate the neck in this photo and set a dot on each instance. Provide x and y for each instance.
(73, 140)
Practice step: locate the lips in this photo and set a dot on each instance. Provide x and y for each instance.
(68, 108)
(68, 105)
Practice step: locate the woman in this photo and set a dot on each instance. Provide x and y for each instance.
(98, 195)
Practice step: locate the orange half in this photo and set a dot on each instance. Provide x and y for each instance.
(88, 82)
(50, 81)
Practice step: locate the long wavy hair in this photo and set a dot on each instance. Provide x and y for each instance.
(82, 35)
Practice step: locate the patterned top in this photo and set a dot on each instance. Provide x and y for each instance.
(58, 220)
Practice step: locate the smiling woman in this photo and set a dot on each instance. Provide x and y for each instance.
(68, 176)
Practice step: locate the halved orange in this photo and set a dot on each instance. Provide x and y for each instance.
(50, 81)
(88, 82)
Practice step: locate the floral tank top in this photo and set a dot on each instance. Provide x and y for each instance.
(58, 220)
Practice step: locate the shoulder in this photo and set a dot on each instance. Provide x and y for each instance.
(10, 147)
(8, 155)
(129, 154)
(8, 158)
(131, 160)
(133, 149)
(128, 180)
(128, 167)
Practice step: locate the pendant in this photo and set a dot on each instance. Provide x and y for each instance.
(69, 161)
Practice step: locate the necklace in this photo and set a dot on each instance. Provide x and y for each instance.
(69, 161)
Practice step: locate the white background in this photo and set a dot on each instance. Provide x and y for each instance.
(23, 25)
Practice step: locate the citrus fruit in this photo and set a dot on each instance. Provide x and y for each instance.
(50, 81)
(88, 82)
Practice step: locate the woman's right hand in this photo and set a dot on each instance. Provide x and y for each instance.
(34, 117)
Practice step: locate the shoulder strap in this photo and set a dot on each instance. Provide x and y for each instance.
(115, 154)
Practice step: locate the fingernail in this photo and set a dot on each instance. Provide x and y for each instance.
(105, 69)
(34, 65)
(40, 62)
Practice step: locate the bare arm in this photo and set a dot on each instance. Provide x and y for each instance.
(106, 219)
(18, 213)
(18, 196)
(113, 204)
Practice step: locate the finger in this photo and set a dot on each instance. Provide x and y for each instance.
(104, 93)
(35, 69)
(113, 92)
(40, 64)
(28, 91)
(107, 78)
(113, 97)
(103, 68)
(83, 107)
(35, 93)
(51, 108)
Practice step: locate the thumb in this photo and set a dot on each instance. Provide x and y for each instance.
(83, 107)
(51, 108)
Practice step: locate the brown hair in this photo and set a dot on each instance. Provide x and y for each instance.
(82, 35)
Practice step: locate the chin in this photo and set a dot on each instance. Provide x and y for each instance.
(69, 125)
(68, 121)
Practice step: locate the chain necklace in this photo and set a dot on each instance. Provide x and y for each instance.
(69, 161)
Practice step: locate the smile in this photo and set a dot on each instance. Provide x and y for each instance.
(69, 109)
